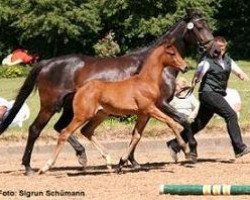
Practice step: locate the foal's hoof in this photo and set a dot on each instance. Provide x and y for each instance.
(82, 159)
(45, 168)
(42, 171)
(29, 171)
(109, 162)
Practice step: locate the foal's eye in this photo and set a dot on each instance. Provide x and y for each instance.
(171, 52)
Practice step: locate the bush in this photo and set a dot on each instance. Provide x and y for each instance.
(107, 47)
(14, 71)
(124, 119)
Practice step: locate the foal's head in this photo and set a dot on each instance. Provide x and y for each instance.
(170, 56)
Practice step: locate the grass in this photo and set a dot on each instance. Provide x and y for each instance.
(9, 89)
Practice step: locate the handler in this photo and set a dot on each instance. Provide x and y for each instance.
(21, 116)
(189, 106)
(213, 71)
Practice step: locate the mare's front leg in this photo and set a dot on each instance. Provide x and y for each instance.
(137, 132)
(35, 129)
(63, 137)
(182, 120)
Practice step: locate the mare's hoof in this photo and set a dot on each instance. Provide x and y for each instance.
(192, 158)
(118, 169)
(135, 165)
(120, 165)
(82, 159)
(29, 171)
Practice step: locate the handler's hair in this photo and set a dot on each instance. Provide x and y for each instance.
(220, 39)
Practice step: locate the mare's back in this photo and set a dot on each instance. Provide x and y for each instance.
(71, 70)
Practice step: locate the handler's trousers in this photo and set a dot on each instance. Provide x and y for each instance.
(211, 103)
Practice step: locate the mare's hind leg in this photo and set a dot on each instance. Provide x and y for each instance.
(156, 113)
(182, 119)
(131, 158)
(35, 129)
(88, 131)
(139, 127)
(63, 122)
(63, 137)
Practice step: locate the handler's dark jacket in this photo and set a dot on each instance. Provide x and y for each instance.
(216, 78)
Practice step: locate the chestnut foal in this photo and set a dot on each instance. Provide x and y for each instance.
(137, 96)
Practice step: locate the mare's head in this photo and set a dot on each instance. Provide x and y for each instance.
(191, 30)
(196, 30)
(170, 56)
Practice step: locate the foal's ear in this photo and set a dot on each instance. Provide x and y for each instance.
(170, 41)
(169, 44)
(168, 47)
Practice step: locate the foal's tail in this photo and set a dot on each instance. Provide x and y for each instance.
(24, 92)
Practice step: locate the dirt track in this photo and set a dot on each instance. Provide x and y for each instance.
(215, 166)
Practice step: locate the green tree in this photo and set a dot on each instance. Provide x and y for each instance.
(233, 22)
(136, 23)
(107, 47)
(52, 26)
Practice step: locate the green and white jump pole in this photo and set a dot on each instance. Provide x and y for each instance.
(205, 189)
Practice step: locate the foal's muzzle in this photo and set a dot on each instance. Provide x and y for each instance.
(184, 69)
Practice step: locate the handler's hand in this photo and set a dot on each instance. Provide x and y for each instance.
(243, 76)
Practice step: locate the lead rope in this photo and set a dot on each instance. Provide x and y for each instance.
(189, 89)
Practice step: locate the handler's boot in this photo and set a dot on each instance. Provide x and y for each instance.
(244, 152)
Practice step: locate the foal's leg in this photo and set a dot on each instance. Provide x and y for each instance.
(63, 137)
(156, 113)
(131, 158)
(88, 131)
(62, 123)
(139, 127)
(35, 129)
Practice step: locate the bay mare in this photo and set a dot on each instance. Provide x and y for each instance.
(58, 77)
(136, 95)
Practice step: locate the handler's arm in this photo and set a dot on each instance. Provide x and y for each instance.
(238, 71)
(202, 69)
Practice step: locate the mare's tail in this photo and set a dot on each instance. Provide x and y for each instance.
(24, 92)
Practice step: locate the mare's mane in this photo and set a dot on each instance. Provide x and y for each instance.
(158, 41)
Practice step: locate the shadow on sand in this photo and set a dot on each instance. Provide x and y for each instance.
(72, 171)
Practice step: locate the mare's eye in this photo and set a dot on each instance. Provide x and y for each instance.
(199, 25)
